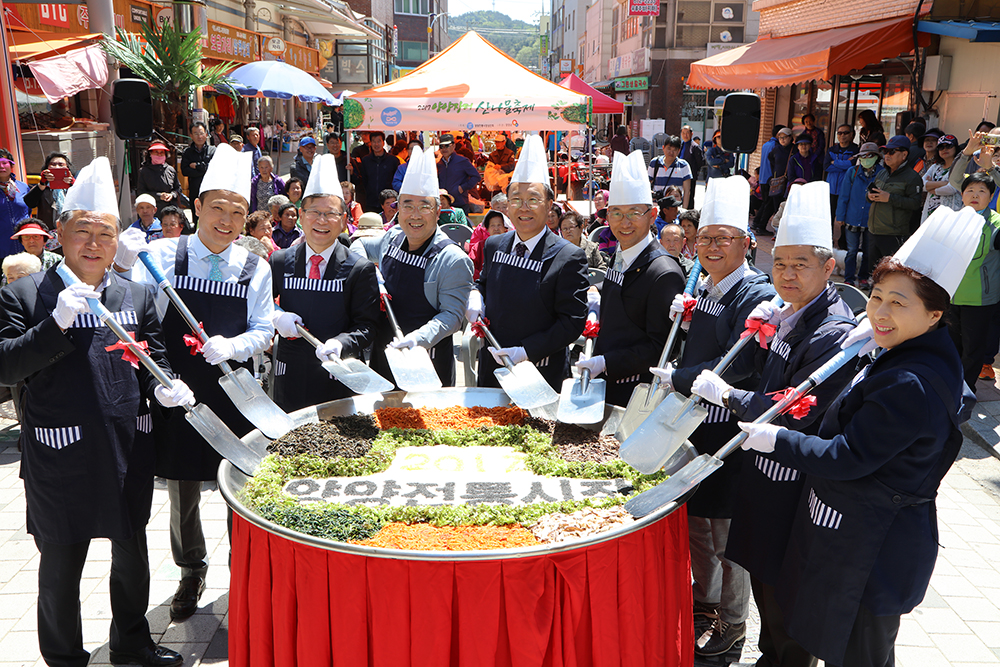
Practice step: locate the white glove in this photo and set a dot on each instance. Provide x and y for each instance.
(218, 349)
(379, 276)
(330, 350)
(284, 323)
(404, 343)
(515, 354)
(666, 375)
(860, 332)
(595, 365)
(594, 301)
(761, 436)
(677, 308)
(765, 311)
(130, 243)
(179, 394)
(710, 386)
(73, 300)
(474, 307)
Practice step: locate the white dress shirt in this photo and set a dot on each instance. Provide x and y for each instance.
(326, 255)
(531, 243)
(629, 256)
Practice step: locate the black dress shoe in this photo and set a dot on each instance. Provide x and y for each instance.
(185, 601)
(152, 656)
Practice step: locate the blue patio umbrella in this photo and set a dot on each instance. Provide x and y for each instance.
(273, 78)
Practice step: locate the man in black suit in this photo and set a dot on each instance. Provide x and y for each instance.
(695, 157)
(638, 288)
(533, 285)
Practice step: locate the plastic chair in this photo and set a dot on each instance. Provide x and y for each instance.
(596, 276)
(468, 355)
(458, 233)
(659, 139)
(595, 235)
(641, 144)
(855, 299)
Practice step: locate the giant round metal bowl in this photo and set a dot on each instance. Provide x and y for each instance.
(232, 481)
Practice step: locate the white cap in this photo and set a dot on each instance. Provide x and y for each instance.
(727, 202)
(806, 220)
(93, 190)
(229, 170)
(532, 165)
(324, 179)
(145, 199)
(421, 177)
(629, 180)
(942, 247)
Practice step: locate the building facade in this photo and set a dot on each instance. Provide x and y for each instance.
(412, 18)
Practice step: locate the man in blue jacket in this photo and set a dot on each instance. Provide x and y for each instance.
(456, 173)
(837, 161)
(852, 211)
(759, 221)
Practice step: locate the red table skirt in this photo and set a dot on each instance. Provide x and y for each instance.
(622, 602)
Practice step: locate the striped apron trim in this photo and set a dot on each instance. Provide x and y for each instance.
(313, 285)
(57, 438)
(617, 277)
(781, 348)
(407, 258)
(718, 414)
(91, 321)
(279, 367)
(519, 262)
(144, 423)
(775, 471)
(542, 363)
(631, 378)
(711, 307)
(216, 287)
(822, 514)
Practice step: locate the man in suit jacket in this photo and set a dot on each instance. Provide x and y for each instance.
(637, 290)
(533, 285)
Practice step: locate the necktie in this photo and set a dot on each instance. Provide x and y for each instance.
(314, 269)
(520, 249)
(216, 272)
(619, 264)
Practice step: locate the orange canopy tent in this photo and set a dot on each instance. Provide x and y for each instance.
(602, 102)
(785, 61)
(471, 85)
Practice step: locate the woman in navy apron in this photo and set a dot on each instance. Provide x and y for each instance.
(864, 541)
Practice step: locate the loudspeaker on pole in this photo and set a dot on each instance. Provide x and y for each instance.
(132, 109)
(741, 122)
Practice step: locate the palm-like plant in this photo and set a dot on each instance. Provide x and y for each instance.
(170, 61)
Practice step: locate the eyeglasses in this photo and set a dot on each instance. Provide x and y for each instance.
(409, 209)
(517, 202)
(721, 241)
(844, 132)
(633, 215)
(312, 215)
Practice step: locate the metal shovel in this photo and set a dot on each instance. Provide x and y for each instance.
(205, 422)
(352, 373)
(673, 421)
(412, 368)
(522, 382)
(582, 400)
(646, 396)
(704, 465)
(239, 385)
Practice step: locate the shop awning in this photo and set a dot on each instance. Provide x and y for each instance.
(43, 45)
(785, 61)
(974, 31)
(602, 103)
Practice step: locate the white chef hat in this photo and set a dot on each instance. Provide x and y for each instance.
(532, 164)
(324, 179)
(942, 247)
(229, 170)
(421, 177)
(727, 202)
(806, 220)
(93, 190)
(629, 180)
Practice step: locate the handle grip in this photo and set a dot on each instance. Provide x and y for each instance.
(154, 269)
(588, 352)
(692, 281)
(675, 328)
(309, 338)
(494, 343)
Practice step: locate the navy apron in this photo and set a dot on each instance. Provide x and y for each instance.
(299, 379)
(223, 310)
(87, 459)
(515, 309)
(618, 330)
(845, 526)
(404, 281)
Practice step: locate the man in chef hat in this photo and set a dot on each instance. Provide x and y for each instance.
(809, 330)
(326, 288)
(427, 275)
(637, 290)
(533, 286)
(237, 319)
(717, 319)
(87, 458)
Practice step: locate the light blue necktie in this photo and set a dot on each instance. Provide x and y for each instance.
(216, 272)
(619, 263)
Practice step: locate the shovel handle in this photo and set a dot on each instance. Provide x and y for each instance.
(588, 352)
(388, 311)
(164, 284)
(668, 348)
(494, 343)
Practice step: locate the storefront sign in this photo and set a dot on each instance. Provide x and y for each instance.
(640, 60)
(303, 57)
(130, 15)
(139, 13)
(566, 66)
(226, 42)
(632, 83)
(635, 62)
(715, 48)
(53, 15)
(643, 7)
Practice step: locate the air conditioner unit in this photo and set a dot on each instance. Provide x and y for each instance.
(937, 73)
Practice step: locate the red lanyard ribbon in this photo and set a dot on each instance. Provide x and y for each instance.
(798, 408)
(193, 341)
(477, 327)
(127, 353)
(762, 329)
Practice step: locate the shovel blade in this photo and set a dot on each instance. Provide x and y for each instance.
(223, 440)
(661, 434)
(673, 487)
(255, 405)
(412, 368)
(577, 406)
(640, 405)
(526, 386)
(357, 376)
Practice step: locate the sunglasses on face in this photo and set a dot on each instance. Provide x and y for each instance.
(842, 132)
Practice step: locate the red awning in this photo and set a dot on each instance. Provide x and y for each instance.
(46, 44)
(602, 103)
(785, 61)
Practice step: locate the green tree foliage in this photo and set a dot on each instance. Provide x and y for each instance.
(517, 39)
